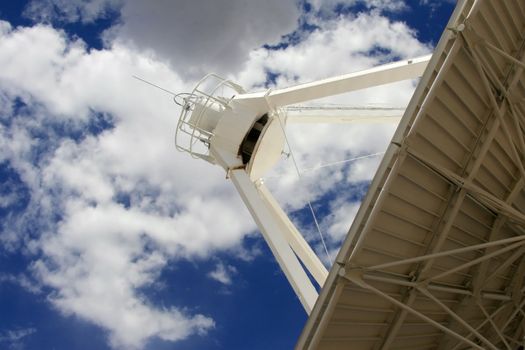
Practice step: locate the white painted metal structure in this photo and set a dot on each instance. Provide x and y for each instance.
(334, 115)
(435, 257)
(244, 134)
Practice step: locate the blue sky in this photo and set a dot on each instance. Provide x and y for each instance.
(109, 238)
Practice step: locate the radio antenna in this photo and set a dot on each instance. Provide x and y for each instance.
(154, 85)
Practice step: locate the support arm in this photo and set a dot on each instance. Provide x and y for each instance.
(388, 73)
(275, 238)
(326, 115)
(296, 241)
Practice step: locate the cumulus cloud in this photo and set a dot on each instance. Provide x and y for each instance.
(14, 339)
(115, 203)
(70, 11)
(102, 249)
(338, 46)
(327, 6)
(223, 273)
(96, 272)
(23, 281)
(205, 35)
(434, 2)
(196, 36)
(193, 36)
(341, 216)
(14, 335)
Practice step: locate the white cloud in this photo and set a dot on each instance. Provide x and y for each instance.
(23, 281)
(96, 272)
(70, 11)
(341, 45)
(97, 255)
(435, 3)
(326, 6)
(341, 217)
(196, 36)
(8, 199)
(15, 335)
(105, 248)
(223, 273)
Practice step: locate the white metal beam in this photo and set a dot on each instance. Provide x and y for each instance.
(484, 322)
(494, 326)
(438, 287)
(448, 217)
(359, 281)
(446, 253)
(456, 317)
(384, 74)
(342, 115)
(275, 237)
(348, 119)
(294, 238)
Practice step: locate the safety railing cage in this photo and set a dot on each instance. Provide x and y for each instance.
(210, 93)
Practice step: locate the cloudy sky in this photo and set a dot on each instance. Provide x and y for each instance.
(109, 237)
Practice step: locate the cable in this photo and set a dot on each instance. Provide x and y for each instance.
(344, 161)
(299, 175)
(158, 87)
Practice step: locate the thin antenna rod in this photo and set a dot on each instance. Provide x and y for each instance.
(158, 87)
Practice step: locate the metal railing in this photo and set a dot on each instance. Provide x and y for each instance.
(190, 136)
